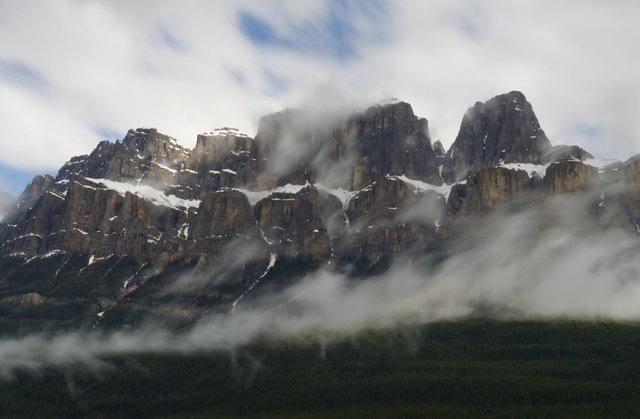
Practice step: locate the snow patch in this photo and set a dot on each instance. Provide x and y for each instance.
(28, 235)
(223, 132)
(183, 231)
(47, 255)
(421, 186)
(146, 192)
(530, 168)
(93, 259)
(272, 262)
(162, 166)
(343, 195)
(255, 196)
(57, 195)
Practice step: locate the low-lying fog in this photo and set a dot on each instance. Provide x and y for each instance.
(545, 262)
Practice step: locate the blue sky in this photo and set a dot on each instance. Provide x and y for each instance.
(86, 70)
(331, 34)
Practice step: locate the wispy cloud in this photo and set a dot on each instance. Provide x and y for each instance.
(169, 39)
(190, 66)
(540, 263)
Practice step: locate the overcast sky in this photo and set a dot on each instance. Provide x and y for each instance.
(78, 71)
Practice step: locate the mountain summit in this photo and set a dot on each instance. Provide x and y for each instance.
(145, 227)
(503, 129)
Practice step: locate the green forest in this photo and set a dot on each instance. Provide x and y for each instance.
(471, 368)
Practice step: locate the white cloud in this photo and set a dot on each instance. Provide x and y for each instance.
(108, 68)
(36, 132)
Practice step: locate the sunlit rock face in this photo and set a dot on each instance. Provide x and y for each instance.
(568, 176)
(91, 218)
(143, 154)
(217, 160)
(173, 232)
(486, 189)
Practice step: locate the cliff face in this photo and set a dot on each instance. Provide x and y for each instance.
(292, 224)
(380, 222)
(145, 226)
(503, 129)
(486, 189)
(351, 152)
(568, 176)
(392, 140)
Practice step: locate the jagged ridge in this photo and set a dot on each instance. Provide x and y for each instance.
(360, 190)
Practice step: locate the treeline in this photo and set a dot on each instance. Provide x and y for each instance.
(474, 368)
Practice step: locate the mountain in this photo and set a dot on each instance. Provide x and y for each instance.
(503, 129)
(144, 228)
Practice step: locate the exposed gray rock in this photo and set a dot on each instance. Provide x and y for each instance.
(222, 220)
(392, 140)
(486, 189)
(293, 224)
(33, 192)
(568, 176)
(353, 152)
(440, 153)
(143, 154)
(503, 129)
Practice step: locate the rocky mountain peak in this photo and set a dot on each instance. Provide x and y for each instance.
(224, 148)
(502, 129)
(349, 192)
(33, 191)
(392, 140)
(219, 134)
(351, 151)
(143, 154)
(440, 152)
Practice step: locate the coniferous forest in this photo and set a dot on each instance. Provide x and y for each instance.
(471, 368)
